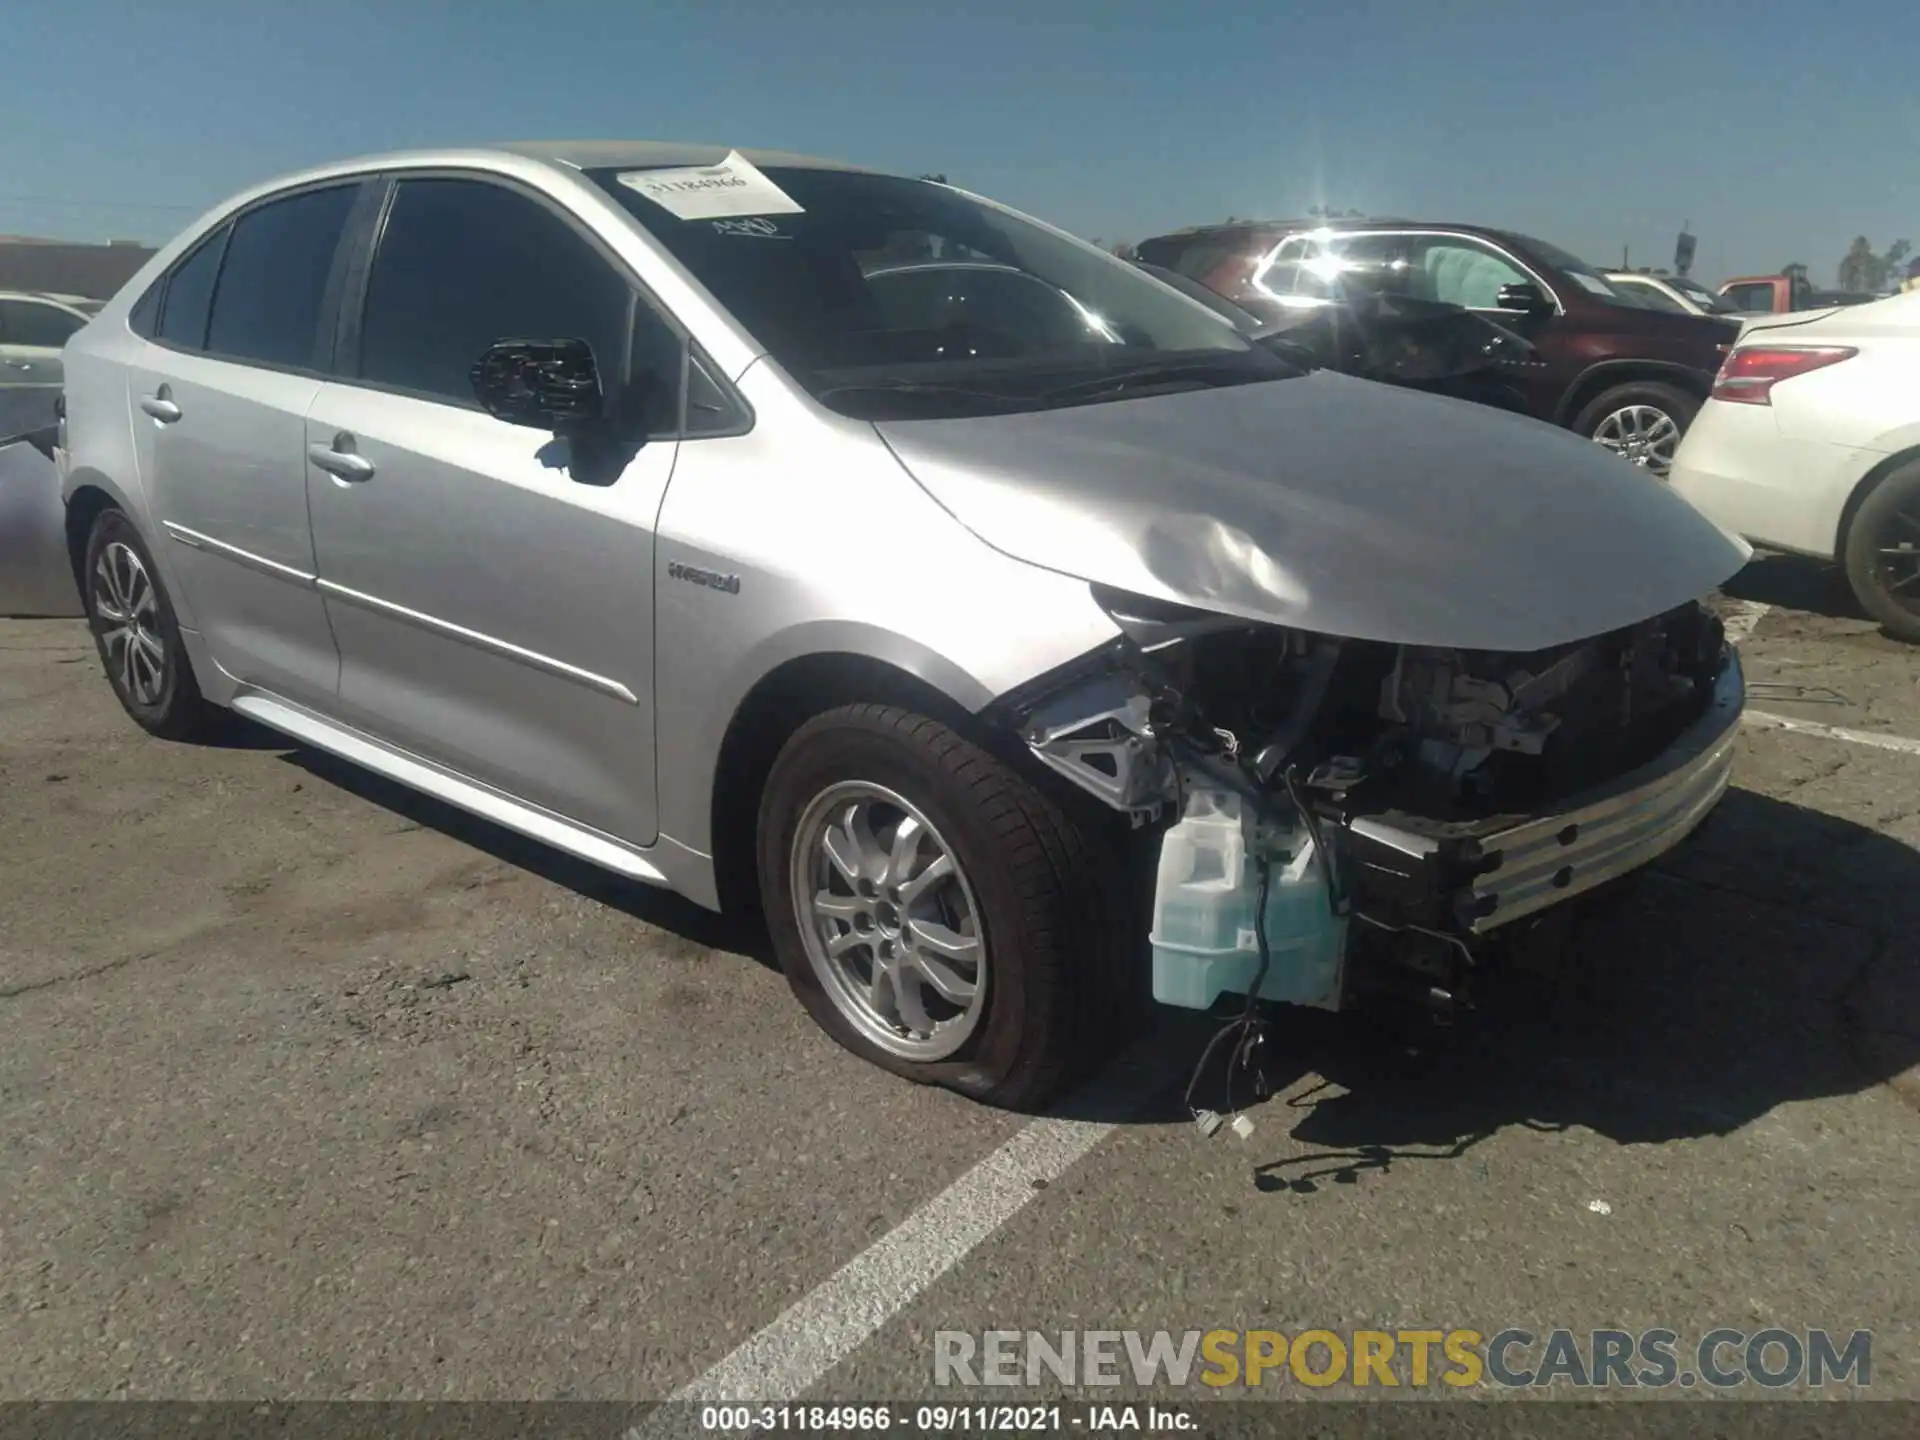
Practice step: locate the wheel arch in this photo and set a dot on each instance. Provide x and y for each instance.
(88, 492)
(777, 704)
(1864, 487)
(85, 503)
(1609, 373)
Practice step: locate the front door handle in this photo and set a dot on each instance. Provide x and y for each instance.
(340, 459)
(160, 406)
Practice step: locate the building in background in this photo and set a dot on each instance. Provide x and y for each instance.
(59, 267)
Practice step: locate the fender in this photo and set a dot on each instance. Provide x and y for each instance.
(1904, 447)
(1619, 371)
(689, 741)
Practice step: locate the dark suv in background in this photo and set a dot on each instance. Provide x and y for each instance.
(1620, 373)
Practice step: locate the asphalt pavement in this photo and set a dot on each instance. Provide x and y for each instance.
(311, 1088)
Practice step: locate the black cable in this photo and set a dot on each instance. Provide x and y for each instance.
(1336, 902)
(1247, 1025)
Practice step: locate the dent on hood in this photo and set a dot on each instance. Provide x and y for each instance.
(1332, 505)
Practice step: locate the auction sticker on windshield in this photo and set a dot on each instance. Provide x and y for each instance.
(708, 192)
(1591, 283)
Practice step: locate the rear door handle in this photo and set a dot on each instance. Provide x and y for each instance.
(160, 407)
(340, 460)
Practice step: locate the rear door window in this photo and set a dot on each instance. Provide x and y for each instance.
(273, 282)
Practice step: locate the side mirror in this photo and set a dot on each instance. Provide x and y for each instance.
(1525, 296)
(546, 384)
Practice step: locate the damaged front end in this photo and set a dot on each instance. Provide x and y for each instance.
(1343, 816)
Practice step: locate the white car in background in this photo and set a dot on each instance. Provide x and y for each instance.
(1810, 444)
(33, 330)
(1673, 293)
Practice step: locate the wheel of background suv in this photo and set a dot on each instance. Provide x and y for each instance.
(135, 631)
(1641, 421)
(1882, 558)
(934, 912)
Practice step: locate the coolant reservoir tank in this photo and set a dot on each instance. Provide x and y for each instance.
(1206, 889)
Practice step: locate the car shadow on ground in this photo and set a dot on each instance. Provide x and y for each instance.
(744, 936)
(1773, 958)
(1796, 582)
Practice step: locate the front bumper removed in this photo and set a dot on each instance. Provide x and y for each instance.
(1476, 878)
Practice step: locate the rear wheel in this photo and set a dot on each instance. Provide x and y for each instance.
(135, 631)
(1882, 557)
(934, 912)
(1641, 421)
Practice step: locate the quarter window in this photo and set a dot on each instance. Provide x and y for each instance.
(273, 281)
(183, 313)
(463, 264)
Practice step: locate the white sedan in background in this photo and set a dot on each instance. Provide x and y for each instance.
(33, 329)
(1676, 294)
(1811, 444)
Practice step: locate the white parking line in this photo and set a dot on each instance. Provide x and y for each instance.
(1901, 744)
(823, 1327)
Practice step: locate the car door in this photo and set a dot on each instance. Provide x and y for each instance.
(1468, 271)
(218, 404)
(32, 333)
(492, 599)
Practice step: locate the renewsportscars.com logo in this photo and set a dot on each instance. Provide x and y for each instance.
(1416, 1358)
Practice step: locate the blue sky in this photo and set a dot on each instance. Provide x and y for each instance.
(1779, 130)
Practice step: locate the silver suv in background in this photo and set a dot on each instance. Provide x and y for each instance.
(777, 531)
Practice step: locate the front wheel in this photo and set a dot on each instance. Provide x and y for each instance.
(1882, 557)
(1642, 422)
(935, 913)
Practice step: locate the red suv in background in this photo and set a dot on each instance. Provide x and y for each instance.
(1612, 369)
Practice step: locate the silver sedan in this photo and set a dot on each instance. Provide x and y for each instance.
(793, 535)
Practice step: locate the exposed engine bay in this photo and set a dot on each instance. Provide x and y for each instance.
(1434, 795)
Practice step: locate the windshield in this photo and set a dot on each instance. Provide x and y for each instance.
(1708, 301)
(1588, 277)
(1647, 294)
(892, 297)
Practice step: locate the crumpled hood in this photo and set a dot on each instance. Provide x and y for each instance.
(1331, 504)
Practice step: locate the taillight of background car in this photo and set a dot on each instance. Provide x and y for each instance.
(1749, 374)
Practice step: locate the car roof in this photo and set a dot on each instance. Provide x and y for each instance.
(45, 297)
(650, 154)
(509, 155)
(1358, 226)
(506, 156)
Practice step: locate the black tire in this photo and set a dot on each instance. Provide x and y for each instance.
(1676, 404)
(1053, 929)
(1888, 518)
(171, 708)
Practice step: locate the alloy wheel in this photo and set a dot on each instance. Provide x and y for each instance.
(1643, 434)
(126, 612)
(889, 921)
(1896, 559)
